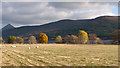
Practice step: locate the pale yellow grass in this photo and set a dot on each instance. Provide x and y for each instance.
(59, 55)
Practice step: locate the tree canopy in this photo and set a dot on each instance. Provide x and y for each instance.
(42, 38)
(82, 37)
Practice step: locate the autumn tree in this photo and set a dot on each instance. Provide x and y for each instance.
(98, 41)
(1, 40)
(32, 40)
(82, 37)
(29, 42)
(71, 39)
(19, 40)
(11, 40)
(59, 39)
(42, 38)
(92, 36)
(74, 39)
(93, 39)
(67, 39)
(116, 36)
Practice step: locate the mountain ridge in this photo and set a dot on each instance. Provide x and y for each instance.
(98, 25)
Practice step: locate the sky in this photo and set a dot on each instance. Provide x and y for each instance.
(38, 13)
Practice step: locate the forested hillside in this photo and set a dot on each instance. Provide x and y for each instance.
(102, 26)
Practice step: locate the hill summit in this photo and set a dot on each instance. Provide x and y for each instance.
(7, 27)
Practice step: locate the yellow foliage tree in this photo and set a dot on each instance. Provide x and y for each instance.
(42, 38)
(58, 39)
(82, 37)
(11, 40)
(1, 40)
(19, 40)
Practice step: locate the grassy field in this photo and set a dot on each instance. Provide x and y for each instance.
(60, 55)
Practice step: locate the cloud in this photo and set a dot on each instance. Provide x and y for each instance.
(79, 5)
(60, 0)
(0, 15)
(26, 13)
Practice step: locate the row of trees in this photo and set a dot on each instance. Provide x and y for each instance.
(13, 40)
(93, 39)
(42, 38)
(81, 38)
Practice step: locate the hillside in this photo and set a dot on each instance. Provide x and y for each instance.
(7, 27)
(102, 26)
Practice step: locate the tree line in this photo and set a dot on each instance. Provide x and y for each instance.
(81, 38)
(42, 38)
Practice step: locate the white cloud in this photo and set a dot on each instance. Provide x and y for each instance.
(24, 13)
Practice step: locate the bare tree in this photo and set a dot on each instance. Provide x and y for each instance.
(32, 40)
(116, 36)
(93, 39)
(71, 39)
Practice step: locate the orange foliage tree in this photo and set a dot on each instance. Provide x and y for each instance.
(42, 38)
